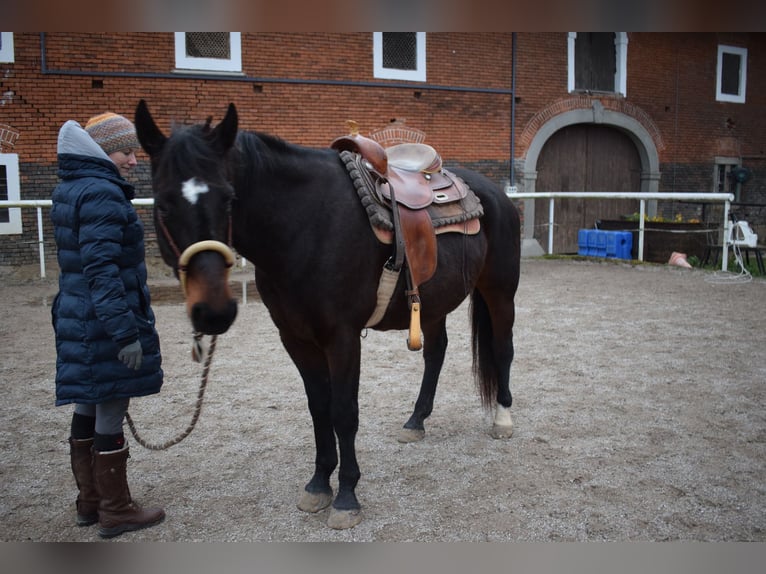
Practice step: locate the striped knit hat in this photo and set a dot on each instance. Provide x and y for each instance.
(112, 132)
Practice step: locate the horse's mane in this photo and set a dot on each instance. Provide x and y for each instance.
(255, 156)
(259, 154)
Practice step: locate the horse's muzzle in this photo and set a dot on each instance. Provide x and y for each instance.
(209, 321)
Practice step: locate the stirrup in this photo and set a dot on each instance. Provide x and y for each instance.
(415, 337)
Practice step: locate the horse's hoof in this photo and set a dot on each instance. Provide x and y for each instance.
(311, 502)
(501, 431)
(411, 435)
(344, 519)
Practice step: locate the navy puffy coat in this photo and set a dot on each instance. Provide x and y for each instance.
(103, 301)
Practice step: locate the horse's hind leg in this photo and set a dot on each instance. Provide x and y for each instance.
(500, 312)
(493, 315)
(434, 350)
(502, 426)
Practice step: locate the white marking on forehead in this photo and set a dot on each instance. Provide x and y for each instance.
(192, 189)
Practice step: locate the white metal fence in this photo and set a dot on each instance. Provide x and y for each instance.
(725, 198)
(39, 204)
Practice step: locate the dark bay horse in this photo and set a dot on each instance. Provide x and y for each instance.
(294, 213)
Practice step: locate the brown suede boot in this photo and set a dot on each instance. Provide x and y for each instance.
(117, 512)
(81, 455)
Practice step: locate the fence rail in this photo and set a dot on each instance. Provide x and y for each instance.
(39, 204)
(725, 198)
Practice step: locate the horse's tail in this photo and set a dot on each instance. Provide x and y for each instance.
(484, 371)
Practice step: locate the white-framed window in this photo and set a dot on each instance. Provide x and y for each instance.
(731, 75)
(598, 62)
(10, 217)
(722, 170)
(399, 55)
(209, 51)
(6, 47)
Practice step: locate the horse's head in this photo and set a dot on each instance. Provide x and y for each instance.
(192, 212)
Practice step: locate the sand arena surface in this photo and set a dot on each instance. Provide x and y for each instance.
(639, 395)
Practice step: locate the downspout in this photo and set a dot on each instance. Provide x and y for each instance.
(513, 108)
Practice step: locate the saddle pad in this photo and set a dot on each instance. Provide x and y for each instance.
(378, 208)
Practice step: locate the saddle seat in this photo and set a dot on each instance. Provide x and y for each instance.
(414, 157)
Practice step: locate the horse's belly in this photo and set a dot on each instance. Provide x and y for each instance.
(460, 260)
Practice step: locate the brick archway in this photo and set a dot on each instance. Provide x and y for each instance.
(635, 123)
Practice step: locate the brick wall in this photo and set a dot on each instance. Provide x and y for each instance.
(77, 84)
(670, 89)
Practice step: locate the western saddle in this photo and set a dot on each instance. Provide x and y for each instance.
(408, 180)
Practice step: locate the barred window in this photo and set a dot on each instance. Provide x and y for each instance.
(212, 51)
(400, 50)
(208, 45)
(399, 55)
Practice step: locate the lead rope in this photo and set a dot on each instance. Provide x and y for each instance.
(197, 355)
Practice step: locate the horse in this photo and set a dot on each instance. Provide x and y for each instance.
(293, 212)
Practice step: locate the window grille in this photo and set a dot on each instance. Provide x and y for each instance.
(400, 50)
(208, 45)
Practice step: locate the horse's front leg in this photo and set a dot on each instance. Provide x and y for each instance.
(312, 366)
(344, 357)
(434, 350)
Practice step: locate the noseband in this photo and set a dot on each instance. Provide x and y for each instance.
(205, 245)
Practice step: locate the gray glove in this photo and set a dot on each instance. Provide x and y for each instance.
(131, 355)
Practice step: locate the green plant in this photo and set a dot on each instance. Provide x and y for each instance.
(660, 219)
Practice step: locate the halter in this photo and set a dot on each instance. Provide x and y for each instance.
(204, 245)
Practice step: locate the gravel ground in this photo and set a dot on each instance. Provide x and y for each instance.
(638, 410)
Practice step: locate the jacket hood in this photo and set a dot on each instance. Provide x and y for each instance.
(80, 156)
(73, 139)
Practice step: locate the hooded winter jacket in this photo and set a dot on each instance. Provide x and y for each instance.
(103, 301)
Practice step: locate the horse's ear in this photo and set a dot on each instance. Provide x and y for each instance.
(225, 133)
(149, 135)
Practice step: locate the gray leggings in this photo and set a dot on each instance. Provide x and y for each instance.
(109, 415)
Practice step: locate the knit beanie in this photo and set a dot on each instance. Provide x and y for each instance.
(112, 132)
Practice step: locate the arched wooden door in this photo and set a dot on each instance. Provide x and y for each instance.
(584, 157)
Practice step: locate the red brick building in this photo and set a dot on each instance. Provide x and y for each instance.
(576, 111)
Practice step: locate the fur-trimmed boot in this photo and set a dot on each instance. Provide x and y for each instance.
(81, 455)
(117, 512)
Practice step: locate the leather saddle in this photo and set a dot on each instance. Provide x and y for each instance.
(421, 197)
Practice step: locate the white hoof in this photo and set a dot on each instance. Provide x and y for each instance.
(503, 425)
(498, 431)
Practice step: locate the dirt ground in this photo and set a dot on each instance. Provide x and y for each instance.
(638, 408)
